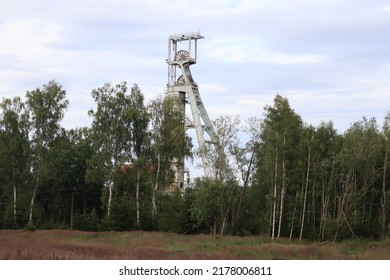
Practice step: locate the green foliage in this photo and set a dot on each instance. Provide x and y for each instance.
(169, 141)
(289, 180)
(87, 221)
(213, 204)
(253, 219)
(122, 216)
(171, 212)
(119, 135)
(30, 227)
(111, 132)
(279, 156)
(47, 108)
(14, 159)
(8, 220)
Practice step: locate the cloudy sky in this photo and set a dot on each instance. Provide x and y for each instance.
(330, 58)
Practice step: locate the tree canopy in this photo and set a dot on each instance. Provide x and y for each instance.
(274, 174)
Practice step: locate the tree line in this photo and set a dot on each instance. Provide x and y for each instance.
(288, 179)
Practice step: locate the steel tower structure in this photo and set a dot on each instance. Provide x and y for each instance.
(184, 89)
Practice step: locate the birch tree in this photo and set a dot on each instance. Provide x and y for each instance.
(47, 107)
(327, 145)
(277, 153)
(15, 149)
(245, 159)
(360, 158)
(112, 132)
(307, 139)
(384, 192)
(212, 204)
(169, 142)
(139, 139)
(226, 128)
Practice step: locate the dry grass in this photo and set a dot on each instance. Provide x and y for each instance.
(76, 245)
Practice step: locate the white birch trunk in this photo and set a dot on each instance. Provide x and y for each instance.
(274, 196)
(14, 203)
(71, 211)
(110, 191)
(325, 197)
(293, 217)
(32, 201)
(137, 193)
(283, 192)
(305, 195)
(323, 212)
(154, 210)
(15, 196)
(383, 199)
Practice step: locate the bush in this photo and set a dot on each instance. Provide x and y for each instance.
(30, 227)
(122, 215)
(87, 221)
(170, 215)
(8, 219)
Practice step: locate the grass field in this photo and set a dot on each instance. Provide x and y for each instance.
(77, 245)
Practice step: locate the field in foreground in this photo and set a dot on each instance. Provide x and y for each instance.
(77, 245)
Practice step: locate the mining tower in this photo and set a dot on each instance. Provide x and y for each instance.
(182, 87)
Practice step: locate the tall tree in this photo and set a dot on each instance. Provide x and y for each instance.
(211, 207)
(326, 148)
(226, 129)
(14, 153)
(140, 139)
(384, 197)
(307, 143)
(67, 193)
(169, 142)
(277, 153)
(112, 132)
(245, 159)
(47, 107)
(360, 158)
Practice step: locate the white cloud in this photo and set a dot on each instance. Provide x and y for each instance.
(212, 88)
(343, 105)
(287, 58)
(253, 49)
(330, 58)
(27, 40)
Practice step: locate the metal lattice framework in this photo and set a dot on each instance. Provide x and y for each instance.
(186, 90)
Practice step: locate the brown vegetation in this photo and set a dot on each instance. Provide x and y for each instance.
(77, 245)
